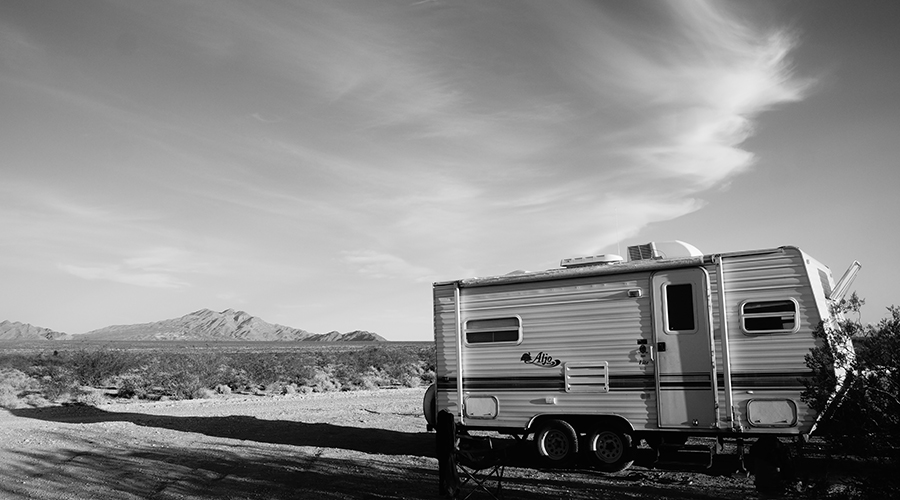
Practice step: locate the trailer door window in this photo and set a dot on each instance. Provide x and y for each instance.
(680, 308)
(493, 330)
(769, 316)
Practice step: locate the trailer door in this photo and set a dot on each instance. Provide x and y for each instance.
(685, 359)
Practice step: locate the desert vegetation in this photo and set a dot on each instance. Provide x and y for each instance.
(863, 422)
(63, 373)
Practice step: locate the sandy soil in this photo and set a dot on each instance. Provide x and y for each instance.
(350, 445)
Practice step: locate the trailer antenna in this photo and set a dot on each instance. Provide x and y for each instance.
(618, 237)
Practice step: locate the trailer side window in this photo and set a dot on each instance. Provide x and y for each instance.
(826, 284)
(486, 331)
(769, 316)
(680, 308)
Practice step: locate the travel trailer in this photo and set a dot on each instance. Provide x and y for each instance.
(601, 353)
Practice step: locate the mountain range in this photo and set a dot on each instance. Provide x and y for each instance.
(202, 325)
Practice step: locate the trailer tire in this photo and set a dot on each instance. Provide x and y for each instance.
(429, 407)
(610, 450)
(556, 442)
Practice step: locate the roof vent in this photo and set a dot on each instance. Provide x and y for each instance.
(643, 252)
(594, 260)
(663, 250)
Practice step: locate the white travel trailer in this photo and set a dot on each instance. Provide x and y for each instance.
(603, 352)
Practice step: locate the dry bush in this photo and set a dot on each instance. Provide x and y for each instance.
(197, 372)
(13, 385)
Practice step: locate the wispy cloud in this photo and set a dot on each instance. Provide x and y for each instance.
(124, 274)
(240, 144)
(696, 92)
(374, 264)
(161, 267)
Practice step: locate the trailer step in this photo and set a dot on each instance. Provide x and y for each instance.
(698, 455)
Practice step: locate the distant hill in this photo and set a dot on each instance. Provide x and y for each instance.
(202, 325)
(216, 326)
(10, 330)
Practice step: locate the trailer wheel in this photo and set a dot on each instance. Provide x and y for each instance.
(556, 442)
(429, 407)
(610, 450)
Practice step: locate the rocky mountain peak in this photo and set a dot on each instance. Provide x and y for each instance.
(13, 330)
(200, 325)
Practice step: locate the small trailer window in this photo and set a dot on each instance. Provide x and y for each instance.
(769, 316)
(487, 331)
(680, 308)
(826, 283)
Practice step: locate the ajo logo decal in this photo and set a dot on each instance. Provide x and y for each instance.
(542, 359)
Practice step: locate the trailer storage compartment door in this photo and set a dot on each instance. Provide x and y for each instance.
(685, 359)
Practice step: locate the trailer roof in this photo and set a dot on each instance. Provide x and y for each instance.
(605, 269)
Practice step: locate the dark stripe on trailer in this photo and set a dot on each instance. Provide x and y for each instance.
(779, 380)
(557, 383)
(739, 381)
(632, 382)
(514, 383)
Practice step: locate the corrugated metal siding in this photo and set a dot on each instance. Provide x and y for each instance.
(577, 320)
(769, 277)
(591, 319)
(766, 365)
(445, 346)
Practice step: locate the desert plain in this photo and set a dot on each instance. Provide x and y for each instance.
(337, 445)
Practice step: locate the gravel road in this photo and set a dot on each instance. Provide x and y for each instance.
(346, 445)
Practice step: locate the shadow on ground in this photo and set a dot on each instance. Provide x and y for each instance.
(259, 471)
(247, 428)
(285, 460)
(233, 472)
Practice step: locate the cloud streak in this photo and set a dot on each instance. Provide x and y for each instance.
(373, 264)
(228, 149)
(124, 274)
(160, 267)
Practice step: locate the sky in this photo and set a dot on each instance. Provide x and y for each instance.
(320, 164)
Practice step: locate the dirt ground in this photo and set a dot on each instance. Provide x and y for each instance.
(346, 445)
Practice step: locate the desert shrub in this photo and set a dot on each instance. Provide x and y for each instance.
(55, 376)
(133, 386)
(89, 396)
(428, 358)
(373, 378)
(15, 361)
(95, 367)
(867, 420)
(36, 401)
(58, 389)
(233, 377)
(190, 372)
(412, 378)
(323, 380)
(296, 368)
(13, 384)
(204, 393)
(260, 369)
(428, 377)
(184, 385)
(184, 375)
(381, 366)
